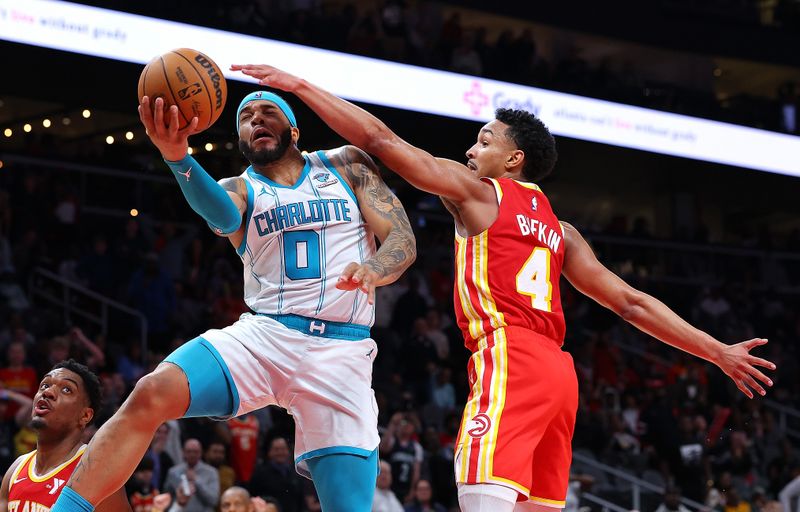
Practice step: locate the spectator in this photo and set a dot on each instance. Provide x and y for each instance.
(435, 333)
(161, 460)
(734, 502)
(443, 394)
(423, 499)
(15, 331)
(139, 488)
(409, 307)
(244, 432)
(11, 427)
(672, 501)
(385, 500)
(276, 477)
(193, 483)
(17, 376)
(216, 458)
(96, 269)
(790, 494)
(237, 499)
(404, 454)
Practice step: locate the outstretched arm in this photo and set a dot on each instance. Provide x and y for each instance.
(385, 216)
(219, 205)
(650, 315)
(445, 178)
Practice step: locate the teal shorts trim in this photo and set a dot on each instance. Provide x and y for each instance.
(212, 389)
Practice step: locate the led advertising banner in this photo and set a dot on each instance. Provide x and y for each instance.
(132, 38)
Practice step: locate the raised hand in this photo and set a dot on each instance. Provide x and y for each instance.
(738, 364)
(162, 128)
(259, 505)
(269, 76)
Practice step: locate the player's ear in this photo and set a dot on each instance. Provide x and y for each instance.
(295, 134)
(514, 158)
(87, 416)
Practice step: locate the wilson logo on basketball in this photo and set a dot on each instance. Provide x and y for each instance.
(479, 425)
(214, 76)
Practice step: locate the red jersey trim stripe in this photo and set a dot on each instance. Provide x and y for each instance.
(462, 267)
(47, 476)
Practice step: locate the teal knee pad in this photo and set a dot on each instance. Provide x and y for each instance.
(211, 387)
(345, 482)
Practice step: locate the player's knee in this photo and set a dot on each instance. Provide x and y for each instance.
(161, 395)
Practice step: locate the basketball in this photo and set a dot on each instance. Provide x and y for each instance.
(189, 79)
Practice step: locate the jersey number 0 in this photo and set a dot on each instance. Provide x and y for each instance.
(301, 254)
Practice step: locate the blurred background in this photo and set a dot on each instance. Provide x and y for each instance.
(101, 259)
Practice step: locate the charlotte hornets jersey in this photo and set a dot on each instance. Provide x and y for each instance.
(298, 241)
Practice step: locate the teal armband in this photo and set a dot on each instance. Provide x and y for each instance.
(206, 196)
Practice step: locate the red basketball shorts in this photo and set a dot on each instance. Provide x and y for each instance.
(518, 423)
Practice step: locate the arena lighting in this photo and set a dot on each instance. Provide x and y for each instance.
(191, 151)
(1, 164)
(110, 139)
(8, 132)
(129, 135)
(128, 37)
(134, 212)
(27, 128)
(66, 121)
(209, 146)
(46, 123)
(86, 113)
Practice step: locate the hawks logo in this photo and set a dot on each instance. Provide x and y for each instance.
(324, 179)
(479, 425)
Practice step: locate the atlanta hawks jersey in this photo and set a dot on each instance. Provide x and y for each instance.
(508, 275)
(299, 239)
(29, 492)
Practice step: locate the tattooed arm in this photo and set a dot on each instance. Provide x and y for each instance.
(237, 191)
(384, 215)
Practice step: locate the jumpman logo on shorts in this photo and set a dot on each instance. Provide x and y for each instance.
(187, 174)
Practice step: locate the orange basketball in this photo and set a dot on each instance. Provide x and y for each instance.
(189, 79)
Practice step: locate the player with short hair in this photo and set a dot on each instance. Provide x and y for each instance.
(511, 249)
(63, 407)
(304, 226)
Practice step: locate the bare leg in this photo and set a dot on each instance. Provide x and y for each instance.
(119, 445)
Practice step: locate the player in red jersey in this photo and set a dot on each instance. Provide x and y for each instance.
(63, 407)
(515, 438)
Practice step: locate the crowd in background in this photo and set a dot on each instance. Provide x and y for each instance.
(434, 34)
(644, 407)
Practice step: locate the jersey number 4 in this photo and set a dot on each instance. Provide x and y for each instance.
(533, 279)
(301, 254)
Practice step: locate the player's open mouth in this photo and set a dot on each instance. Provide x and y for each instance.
(472, 167)
(261, 134)
(41, 407)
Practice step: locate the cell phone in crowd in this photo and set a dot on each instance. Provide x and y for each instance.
(185, 488)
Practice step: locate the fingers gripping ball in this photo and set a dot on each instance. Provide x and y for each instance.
(189, 79)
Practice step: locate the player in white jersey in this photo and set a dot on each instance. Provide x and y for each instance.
(304, 225)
